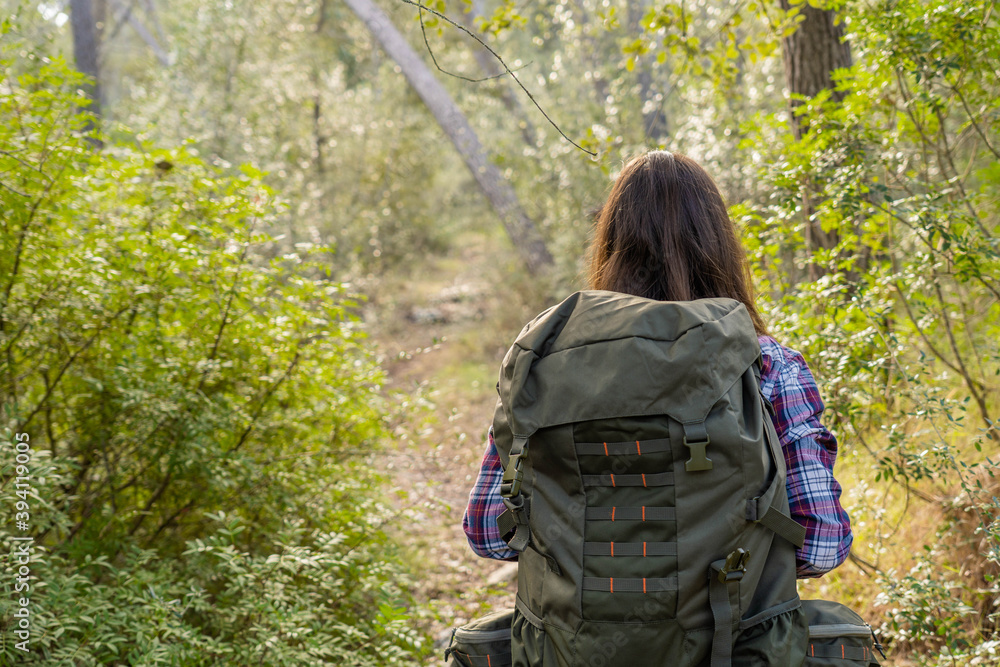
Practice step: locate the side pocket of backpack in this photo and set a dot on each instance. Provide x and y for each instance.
(485, 642)
(838, 637)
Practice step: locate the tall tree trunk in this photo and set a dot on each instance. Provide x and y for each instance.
(654, 120)
(593, 52)
(811, 55)
(319, 140)
(521, 229)
(85, 52)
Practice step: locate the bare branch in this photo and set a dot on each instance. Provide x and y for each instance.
(143, 32)
(507, 69)
(430, 51)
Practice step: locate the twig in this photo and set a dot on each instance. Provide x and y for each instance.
(970, 382)
(507, 69)
(430, 51)
(17, 192)
(972, 121)
(41, 404)
(229, 304)
(923, 336)
(866, 567)
(263, 402)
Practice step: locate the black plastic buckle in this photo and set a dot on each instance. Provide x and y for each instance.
(735, 567)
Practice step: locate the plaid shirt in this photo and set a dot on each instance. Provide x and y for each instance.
(810, 451)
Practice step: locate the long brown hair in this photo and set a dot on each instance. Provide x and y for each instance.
(664, 233)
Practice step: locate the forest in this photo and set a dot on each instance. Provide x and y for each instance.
(260, 263)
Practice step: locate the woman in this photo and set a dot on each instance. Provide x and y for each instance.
(664, 233)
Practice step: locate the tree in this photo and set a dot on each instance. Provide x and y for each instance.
(190, 411)
(520, 228)
(812, 53)
(86, 52)
(654, 120)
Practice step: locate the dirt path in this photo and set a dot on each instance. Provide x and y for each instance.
(441, 337)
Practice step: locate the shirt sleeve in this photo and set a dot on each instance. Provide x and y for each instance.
(485, 505)
(810, 452)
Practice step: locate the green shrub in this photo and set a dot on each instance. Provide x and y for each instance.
(201, 419)
(898, 309)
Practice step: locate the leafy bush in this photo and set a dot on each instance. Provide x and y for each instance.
(201, 418)
(898, 309)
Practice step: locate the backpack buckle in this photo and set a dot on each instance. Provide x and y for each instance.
(510, 485)
(735, 567)
(696, 439)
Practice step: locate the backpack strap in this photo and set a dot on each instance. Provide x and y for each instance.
(513, 522)
(766, 508)
(724, 575)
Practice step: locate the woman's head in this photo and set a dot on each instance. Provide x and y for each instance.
(664, 233)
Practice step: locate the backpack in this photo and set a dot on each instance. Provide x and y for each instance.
(645, 489)
(838, 637)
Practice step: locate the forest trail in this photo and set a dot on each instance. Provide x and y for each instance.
(437, 339)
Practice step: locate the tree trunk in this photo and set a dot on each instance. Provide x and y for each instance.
(85, 53)
(519, 226)
(319, 140)
(811, 55)
(654, 120)
(593, 52)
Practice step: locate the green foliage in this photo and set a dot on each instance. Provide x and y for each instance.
(878, 255)
(504, 17)
(201, 411)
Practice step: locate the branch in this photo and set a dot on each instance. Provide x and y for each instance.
(969, 380)
(229, 305)
(972, 121)
(507, 69)
(65, 367)
(923, 336)
(120, 20)
(430, 51)
(150, 9)
(263, 402)
(146, 36)
(17, 192)
(152, 501)
(867, 568)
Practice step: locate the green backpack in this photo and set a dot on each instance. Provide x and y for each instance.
(645, 489)
(838, 637)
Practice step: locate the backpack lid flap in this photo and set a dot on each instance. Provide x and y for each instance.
(601, 355)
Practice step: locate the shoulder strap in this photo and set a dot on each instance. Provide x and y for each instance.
(767, 507)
